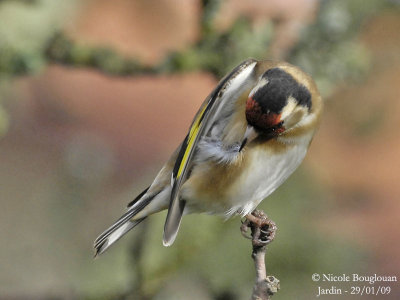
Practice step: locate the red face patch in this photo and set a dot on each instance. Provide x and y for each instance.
(257, 118)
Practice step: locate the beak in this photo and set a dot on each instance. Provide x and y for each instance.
(249, 135)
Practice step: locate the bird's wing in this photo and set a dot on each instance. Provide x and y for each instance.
(227, 91)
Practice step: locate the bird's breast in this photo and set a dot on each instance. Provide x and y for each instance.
(225, 188)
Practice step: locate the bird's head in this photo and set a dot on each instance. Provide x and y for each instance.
(283, 100)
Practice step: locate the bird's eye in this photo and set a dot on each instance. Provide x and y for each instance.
(277, 126)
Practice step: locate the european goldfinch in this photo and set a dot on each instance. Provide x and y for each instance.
(247, 138)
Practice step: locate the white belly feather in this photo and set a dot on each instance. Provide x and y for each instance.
(264, 171)
(267, 171)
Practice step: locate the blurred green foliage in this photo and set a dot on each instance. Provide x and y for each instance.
(25, 29)
(218, 53)
(329, 49)
(63, 50)
(30, 38)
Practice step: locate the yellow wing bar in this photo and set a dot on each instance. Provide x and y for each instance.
(194, 131)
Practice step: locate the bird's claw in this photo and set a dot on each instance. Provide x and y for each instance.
(262, 228)
(244, 228)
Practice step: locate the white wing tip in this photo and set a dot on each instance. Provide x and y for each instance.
(168, 241)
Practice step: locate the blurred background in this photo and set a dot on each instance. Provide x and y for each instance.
(94, 97)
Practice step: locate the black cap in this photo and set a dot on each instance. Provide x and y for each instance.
(273, 96)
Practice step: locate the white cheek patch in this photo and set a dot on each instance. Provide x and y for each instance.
(292, 113)
(295, 117)
(288, 109)
(262, 82)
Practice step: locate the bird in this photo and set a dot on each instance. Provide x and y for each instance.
(249, 135)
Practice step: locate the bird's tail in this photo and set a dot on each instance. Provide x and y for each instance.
(120, 227)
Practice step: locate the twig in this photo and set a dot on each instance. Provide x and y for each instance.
(262, 233)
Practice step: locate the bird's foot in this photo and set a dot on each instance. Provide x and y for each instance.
(262, 228)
